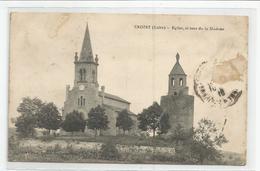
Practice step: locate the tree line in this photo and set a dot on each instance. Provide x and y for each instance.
(38, 114)
(203, 144)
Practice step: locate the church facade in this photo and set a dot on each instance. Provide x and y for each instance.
(85, 93)
(178, 104)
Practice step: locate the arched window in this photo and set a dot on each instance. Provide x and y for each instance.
(93, 75)
(172, 81)
(82, 74)
(181, 82)
(81, 100)
(175, 93)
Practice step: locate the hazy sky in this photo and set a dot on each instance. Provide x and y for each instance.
(133, 63)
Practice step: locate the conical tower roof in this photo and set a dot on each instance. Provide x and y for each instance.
(177, 69)
(86, 50)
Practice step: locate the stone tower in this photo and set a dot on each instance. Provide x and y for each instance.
(84, 94)
(178, 104)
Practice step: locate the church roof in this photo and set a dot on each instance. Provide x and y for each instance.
(86, 54)
(113, 97)
(177, 69)
(117, 109)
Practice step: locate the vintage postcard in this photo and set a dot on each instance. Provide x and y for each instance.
(128, 88)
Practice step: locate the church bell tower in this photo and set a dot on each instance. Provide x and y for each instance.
(84, 94)
(178, 104)
(85, 65)
(177, 79)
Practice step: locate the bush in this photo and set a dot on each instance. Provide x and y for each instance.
(109, 151)
(46, 138)
(25, 125)
(162, 157)
(69, 149)
(13, 146)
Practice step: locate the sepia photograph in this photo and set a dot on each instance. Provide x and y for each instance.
(128, 88)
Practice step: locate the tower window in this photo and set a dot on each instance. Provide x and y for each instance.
(82, 74)
(93, 75)
(81, 101)
(181, 82)
(172, 81)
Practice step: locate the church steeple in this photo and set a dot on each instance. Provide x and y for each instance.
(86, 54)
(85, 64)
(177, 79)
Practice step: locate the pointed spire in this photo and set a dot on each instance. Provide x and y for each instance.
(177, 57)
(177, 69)
(86, 50)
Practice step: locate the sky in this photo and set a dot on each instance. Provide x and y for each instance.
(134, 59)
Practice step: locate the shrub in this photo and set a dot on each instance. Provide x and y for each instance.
(74, 122)
(109, 151)
(25, 125)
(46, 138)
(69, 149)
(162, 157)
(13, 146)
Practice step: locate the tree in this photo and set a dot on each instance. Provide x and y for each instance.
(49, 117)
(164, 124)
(97, 119)
(29, 109)
(149, 119)
(30, 106)
(207, 140)
(73, 122)
(25, 125)
(124, 121)
(109, 151)
(181, 136)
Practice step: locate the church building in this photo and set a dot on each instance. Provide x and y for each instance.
(178, 104)
(85, 93)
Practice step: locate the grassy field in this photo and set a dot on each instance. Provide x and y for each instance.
(69, 153)
(123, 140)
(72, 149)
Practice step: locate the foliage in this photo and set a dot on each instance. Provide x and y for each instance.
(180, 135)
(164, 124)
(49, 117)
(25, 125)
(207, 140)
(123, 140)
(35, 113)
(124, 121)
(109, 151)
(97, 119)
(30, 106)
(149, 119)
(74, 121)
